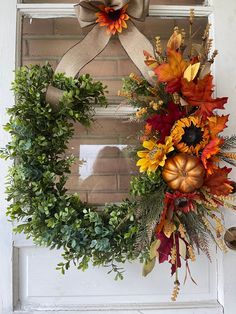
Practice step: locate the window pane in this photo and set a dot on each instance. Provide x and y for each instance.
(106, 174)
(48, 39)
(167, 2)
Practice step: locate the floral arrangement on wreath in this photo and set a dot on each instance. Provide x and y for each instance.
(174, 203)
(182, 147)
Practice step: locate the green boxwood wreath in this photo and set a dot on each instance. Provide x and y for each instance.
(39, 202)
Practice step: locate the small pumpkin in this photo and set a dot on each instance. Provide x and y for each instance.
(184, 173)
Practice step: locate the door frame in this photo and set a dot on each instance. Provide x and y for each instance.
(8, 61)
(9, 56)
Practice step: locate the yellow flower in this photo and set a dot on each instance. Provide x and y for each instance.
(155, 155)
(138, 79)
(190, 135)
(141, 112)
(156, 105)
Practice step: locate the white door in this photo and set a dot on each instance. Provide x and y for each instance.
(28, 280)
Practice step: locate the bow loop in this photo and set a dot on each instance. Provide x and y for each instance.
(86, 9)
(116, 15)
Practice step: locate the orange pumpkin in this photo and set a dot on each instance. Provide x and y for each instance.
(184, 173)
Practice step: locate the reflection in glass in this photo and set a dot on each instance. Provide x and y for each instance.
(105, 174)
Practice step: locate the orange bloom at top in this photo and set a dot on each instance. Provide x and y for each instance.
(114, 20)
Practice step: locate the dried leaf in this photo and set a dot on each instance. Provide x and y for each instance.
(182, 248)
(169, 228)
(175, 41)
(148, 266)
(182, 231)
(191, 71)
(199, 50)
(150, 61)
(183, 102)
(153, 248)
(206, 69)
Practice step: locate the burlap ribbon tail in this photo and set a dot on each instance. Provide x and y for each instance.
(133, 41)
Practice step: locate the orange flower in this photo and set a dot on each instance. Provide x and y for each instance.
(148, 129)
(147, 132)
(114, 20)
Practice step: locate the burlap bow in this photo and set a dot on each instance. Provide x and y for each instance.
(133, 41)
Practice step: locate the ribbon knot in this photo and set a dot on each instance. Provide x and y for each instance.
(132, 40)
(86, 9)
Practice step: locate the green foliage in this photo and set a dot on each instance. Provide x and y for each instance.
(146, 183)
(197, 233)
(140, 93)
(149, 209)
(39, 201)
(150, 188)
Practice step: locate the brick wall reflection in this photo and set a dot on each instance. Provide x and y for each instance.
(105, 176)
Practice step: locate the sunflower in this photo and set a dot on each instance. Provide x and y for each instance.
(114, 20)
(190, 135)
(155, 155)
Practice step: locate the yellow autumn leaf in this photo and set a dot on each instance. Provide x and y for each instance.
(148, 266)
(191, 71)
(153, 248)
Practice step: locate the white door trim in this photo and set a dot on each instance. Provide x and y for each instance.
(50, 10)
(226, 275)
(7, 58)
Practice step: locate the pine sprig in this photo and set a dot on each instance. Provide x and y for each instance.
(228, 160)
(150, 208)
(229, 143)
(196, 231)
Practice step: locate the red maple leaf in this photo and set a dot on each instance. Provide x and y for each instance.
(165, 250)
(218, 183)
(199, 93)
(164, 122)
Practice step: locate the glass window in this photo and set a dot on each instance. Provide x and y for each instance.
(48, 39)
(106, 174)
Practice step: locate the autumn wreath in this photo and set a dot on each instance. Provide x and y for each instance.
(175, 203)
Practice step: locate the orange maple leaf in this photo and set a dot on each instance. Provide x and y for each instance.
(199, 93)
(217, 124)
(174, 69)
(210, 150)
(218, 183)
